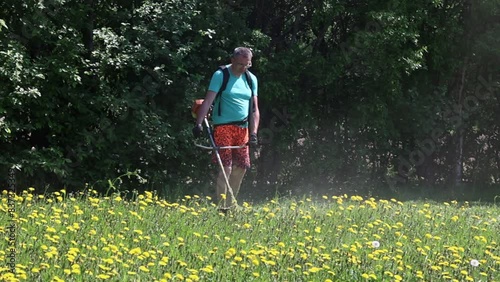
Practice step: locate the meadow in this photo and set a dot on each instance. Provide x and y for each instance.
(88, 237)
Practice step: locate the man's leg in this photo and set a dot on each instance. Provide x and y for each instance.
(240, 160)
(221, 188)
(235, 175)
(222, 136)
(235, 180)
(235, 162)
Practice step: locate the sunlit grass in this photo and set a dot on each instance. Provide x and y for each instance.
(80, 237)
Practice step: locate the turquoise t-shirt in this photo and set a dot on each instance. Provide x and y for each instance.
(235, 99)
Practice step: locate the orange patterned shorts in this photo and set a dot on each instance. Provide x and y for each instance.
(232, 135)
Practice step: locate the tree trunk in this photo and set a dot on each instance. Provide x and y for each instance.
(88, 30)
(458, 171)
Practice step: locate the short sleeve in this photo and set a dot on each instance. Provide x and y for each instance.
(216, 81)
(255, 85)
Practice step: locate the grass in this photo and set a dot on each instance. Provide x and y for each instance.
(60, 237)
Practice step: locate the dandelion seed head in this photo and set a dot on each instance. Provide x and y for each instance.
(375, 244)
(474, 262)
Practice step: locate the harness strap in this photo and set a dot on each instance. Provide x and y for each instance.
(241, 122)
(225, 80)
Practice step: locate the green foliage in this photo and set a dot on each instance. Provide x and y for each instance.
(2, 24)
(348, 91)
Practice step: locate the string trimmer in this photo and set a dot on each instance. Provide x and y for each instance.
(194, 111)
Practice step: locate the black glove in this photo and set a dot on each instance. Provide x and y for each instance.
(253, 141)
(198, 131)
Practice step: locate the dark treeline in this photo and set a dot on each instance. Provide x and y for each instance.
(356, 96)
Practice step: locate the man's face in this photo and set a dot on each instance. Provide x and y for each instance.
(241, 64)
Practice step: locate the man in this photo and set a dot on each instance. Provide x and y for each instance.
(232, 120)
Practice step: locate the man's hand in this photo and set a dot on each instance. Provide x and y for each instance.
(198, 131)
(253, 141)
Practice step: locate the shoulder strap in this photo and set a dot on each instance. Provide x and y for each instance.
(225, 79)
(249, 81)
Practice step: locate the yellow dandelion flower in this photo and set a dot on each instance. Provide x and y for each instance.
(143, 268)
(230, 252)
(135, 251)
(108, 261)
(270, 215)
(103, 267)
(314, 269)
(75, 270)
(103, 276)
(436, 267)
(57, 279)
(269, 262)
(208, 269)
